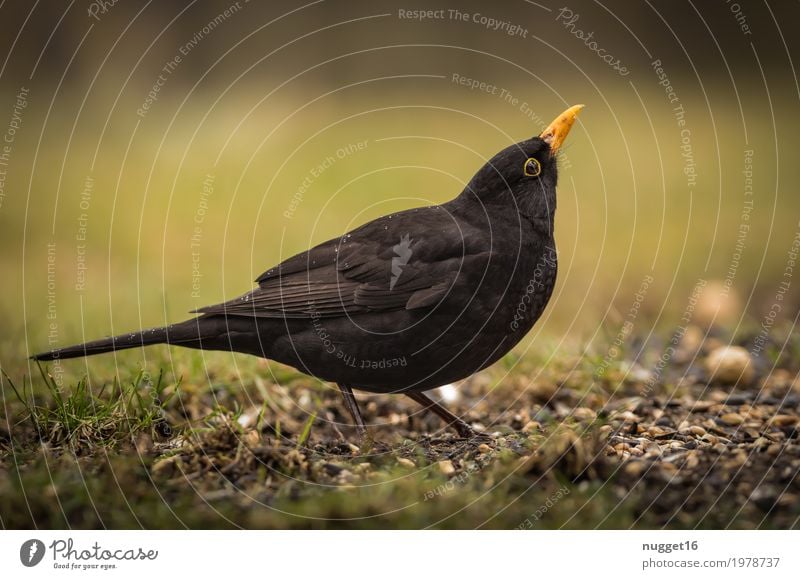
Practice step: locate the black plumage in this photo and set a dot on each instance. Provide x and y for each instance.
(407, 302)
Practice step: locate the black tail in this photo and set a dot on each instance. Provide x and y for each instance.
(188, 333)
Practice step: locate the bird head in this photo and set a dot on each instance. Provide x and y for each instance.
(524, 175)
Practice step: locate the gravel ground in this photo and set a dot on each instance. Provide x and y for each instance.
(708, 439)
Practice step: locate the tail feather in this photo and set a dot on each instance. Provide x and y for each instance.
(184, 333)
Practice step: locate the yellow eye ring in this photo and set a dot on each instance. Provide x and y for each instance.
(532, 167)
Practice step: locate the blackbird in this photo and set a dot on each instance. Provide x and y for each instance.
(408, 302)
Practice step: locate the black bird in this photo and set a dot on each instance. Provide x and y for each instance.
(407, 302)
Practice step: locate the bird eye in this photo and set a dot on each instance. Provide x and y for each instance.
(532, 167)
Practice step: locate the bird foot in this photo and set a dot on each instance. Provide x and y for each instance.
(366, 442)
(468, 433)
(464, 430)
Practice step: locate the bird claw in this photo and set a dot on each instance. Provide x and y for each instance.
(466, 432)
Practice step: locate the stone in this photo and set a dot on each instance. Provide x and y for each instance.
(729, 365)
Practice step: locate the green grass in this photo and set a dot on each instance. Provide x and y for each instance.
(80, 418)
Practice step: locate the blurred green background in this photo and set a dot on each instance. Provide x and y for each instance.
(221, 175)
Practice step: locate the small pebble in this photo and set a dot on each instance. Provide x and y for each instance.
(532, 426)
(252, 438)
(697, 430)
(783, 420)
(729, 365)
(701, 406)
(761, 442)
(584, 414)
(446, 467)
(669, 467)
(732, 419)
(635, 467)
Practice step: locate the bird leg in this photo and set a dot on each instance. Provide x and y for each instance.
(464, 430)
(352, 407)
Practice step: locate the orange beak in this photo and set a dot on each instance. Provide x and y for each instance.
(557, 131)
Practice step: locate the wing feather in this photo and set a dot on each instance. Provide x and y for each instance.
(380, 266)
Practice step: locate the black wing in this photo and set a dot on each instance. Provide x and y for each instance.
(408, 260)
